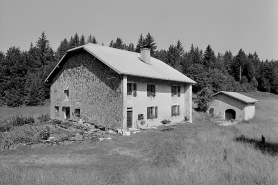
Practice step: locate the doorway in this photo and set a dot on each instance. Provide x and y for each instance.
(66, 111)
(230, 114)
(129, 119)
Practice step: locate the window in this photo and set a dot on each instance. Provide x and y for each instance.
(175, 110)
(151, 112)
(176, 90)
(77, 113)
(66, 93)
(140, 116)
(129, 88)
(132, 89)
(56, 109)
(211, 110)
(150, 90)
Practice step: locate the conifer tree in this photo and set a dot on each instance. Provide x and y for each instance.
(149, 42)
(130, 47)
(209, 57)
(82, 40)
(139, 44)
(61, 51)
(91, 39)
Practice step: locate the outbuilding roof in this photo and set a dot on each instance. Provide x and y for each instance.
(127, 63)
(237, 96)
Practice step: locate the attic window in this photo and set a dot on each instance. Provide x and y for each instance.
(66, 93)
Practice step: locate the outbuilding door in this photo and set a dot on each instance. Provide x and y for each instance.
(230, 114)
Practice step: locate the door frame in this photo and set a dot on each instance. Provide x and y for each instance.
(129, 109)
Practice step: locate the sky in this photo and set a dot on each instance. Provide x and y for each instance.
(223, 24)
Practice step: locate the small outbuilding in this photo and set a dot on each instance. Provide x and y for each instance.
(232, 105)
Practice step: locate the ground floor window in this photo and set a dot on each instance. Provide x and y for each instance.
(175, 110)
(140, 116)
(56, 109)
(152, 112)
(77, 113)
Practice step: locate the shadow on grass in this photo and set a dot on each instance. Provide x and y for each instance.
(263, 146)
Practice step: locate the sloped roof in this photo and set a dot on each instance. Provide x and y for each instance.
(128, 63)
(237, 96)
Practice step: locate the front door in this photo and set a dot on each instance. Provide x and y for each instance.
(129, 119)
(66, 111)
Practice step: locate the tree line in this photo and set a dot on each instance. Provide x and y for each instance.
(22, 73)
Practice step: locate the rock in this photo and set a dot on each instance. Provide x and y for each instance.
(78, 137)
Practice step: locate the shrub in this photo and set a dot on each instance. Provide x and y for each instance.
(203, 99)
(44, 118)
(20, 120)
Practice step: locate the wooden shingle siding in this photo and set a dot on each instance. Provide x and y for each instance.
(93, 87)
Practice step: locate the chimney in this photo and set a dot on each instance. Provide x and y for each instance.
(145, 55)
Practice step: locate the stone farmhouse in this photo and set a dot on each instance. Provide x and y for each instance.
(118, 89)
(232, 105)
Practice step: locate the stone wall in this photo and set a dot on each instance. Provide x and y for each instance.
(93, 87)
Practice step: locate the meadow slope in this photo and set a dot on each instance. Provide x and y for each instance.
(199, 153)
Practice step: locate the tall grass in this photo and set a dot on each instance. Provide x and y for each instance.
(214, 156)
(211, 158)
(18, 175)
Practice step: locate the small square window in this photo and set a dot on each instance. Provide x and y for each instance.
(140, 116)
(77, 113)
(66, 93)
(211, 110)
(56, 109)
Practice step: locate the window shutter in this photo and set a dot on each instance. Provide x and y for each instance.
(148, 112)
(155, 112)
(172, 110)
(179, 91)
(134, 90)
(178, 110)
(148, 90)
(172, 90)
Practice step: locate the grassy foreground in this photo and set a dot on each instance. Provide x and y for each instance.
(192, 154)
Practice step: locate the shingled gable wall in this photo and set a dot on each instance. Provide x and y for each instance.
(93, 87)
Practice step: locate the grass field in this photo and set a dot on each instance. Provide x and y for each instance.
(36, 111)
(199, 153)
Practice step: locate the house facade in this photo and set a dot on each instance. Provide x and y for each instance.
(232, 105)
(118, 89)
